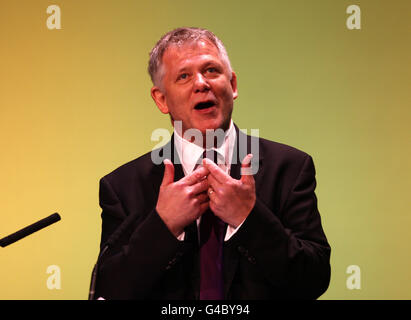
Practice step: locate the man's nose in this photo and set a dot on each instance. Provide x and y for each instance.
(200, 83)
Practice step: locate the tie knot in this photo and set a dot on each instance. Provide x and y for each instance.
(211, 155)
(214, 156)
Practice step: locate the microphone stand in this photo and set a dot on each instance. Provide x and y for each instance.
(110, 242)
(94, 275)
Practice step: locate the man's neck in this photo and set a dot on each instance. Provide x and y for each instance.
(211, 138)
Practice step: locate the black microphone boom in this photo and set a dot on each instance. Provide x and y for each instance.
(30, 229)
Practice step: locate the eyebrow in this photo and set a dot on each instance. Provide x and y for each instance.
(203, 65)
(182, 70)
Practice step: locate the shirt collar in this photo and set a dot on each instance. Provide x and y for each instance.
(189, 153)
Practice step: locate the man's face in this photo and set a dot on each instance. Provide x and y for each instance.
(196, 87)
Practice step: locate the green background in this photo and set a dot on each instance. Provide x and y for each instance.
(75, 104)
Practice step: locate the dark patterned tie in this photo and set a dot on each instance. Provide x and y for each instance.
(212, 231)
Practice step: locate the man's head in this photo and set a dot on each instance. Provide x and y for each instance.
(193, 80)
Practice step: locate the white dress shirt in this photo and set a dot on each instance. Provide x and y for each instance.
(189, 153)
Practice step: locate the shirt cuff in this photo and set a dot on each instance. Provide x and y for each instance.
(181, 236)
(231, 231)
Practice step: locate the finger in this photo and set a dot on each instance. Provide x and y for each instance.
(168, 172)
(211, 194)
(246, 171)
(200, 186)
(196, 176)
(203, 197)
(213, 182)
(216, 171)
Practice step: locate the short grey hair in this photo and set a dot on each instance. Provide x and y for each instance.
(179, 37)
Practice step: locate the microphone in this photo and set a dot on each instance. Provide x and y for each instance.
(109, 244)
(30, 229)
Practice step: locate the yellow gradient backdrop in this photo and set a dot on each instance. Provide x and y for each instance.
(75, 105)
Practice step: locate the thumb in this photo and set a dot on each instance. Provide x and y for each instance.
(246, 172)
(168, 172)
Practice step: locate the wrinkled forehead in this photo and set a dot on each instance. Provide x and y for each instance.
(190, 43)
(191, 48)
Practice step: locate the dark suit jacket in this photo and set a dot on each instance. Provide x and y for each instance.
(280, 251)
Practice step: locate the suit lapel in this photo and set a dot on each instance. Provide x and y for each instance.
(242, 147)
(166, 152)
(190, 262)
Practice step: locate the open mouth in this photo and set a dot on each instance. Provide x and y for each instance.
(204, 105)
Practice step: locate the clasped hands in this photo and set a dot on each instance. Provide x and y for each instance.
(182, 202)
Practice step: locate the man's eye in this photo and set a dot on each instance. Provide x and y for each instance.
(183, 76)
(211, 70)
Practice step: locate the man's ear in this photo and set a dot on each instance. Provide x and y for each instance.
(160, 99)
(233, 82)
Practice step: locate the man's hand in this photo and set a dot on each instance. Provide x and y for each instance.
(182, 202)
(230, 199)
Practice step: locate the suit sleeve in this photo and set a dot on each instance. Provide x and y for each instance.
(132, 267)
(289, 247)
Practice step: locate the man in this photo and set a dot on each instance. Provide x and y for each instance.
(199, 229)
